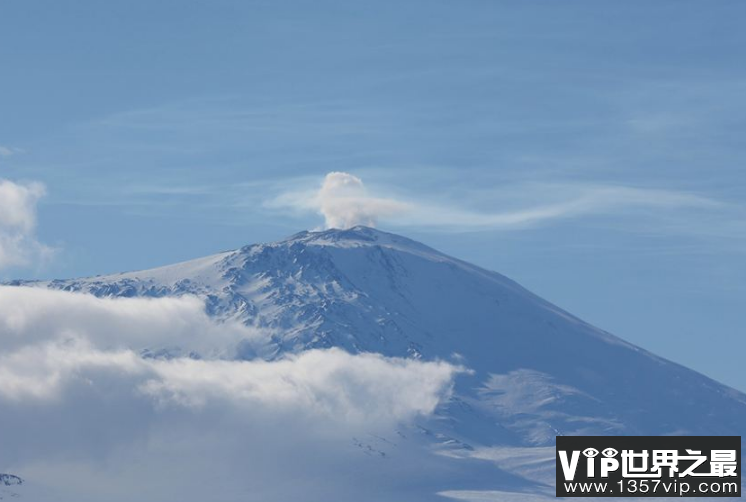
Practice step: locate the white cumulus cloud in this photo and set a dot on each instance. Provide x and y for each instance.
(18, 243)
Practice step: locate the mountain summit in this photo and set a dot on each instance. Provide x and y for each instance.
(538, 371)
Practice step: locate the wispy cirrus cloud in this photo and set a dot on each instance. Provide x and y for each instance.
(9, 151)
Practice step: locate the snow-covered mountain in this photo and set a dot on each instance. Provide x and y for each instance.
(538, 371)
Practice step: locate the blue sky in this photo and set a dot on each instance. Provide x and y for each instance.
(593, 151)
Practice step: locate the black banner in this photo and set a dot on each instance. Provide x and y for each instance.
(648, 466)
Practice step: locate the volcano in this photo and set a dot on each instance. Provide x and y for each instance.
(537, 371)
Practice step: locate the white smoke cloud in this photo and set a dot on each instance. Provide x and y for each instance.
(18, 244)
(345, 201)
(92, 419)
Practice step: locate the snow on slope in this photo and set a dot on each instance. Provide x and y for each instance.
(539, 371)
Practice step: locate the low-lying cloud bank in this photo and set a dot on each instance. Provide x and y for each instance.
(31, 315)
(83, 404)
(56, 339)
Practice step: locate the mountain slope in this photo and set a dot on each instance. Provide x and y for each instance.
(538, 370)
